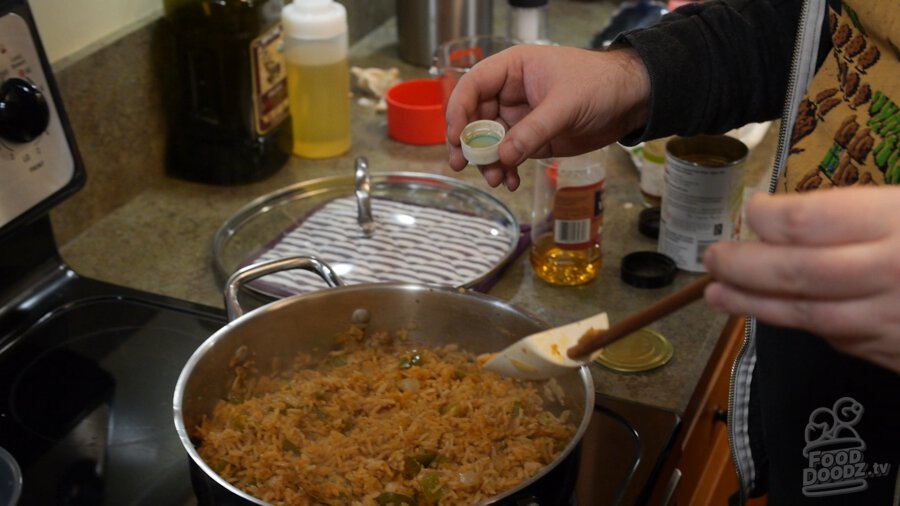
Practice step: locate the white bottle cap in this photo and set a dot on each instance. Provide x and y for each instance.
(480, 141)
(314, 19)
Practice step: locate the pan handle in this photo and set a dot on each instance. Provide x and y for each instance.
(251, 272)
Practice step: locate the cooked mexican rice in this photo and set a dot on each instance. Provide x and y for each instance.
(380, 423)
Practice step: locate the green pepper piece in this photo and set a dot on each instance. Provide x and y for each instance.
(425, 458)
(394, 499)
(288, 446)
(430, 488)
(413, 360)
(411, 467)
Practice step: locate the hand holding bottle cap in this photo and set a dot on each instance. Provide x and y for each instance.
(480, 141)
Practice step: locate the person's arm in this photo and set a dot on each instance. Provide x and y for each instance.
(716, 65)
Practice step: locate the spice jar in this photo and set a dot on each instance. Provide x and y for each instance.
(567, 218)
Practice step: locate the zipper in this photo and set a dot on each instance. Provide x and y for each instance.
(803, 40)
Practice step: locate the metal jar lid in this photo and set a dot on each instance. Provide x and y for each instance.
(641, 351)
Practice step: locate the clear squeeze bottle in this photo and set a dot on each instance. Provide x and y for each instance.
(567, 219)
(225, 90)
(318, 77)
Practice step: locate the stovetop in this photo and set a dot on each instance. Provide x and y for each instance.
(86, 386)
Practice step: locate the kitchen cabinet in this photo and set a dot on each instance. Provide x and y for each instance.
(702, 457)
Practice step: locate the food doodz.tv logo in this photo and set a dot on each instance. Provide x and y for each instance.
(836, 453)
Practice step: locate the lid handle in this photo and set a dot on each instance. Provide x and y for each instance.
(363, 203)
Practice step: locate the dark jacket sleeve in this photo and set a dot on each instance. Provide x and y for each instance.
(716, 65)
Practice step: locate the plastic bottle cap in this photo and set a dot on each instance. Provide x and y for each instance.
(314, 19)
(481, 141)
(648, 222)
(648, 269)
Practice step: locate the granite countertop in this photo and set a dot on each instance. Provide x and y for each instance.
(160, 240)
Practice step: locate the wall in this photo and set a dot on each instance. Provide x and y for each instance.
(71, 29)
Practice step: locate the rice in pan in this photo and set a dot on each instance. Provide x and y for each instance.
(378, 423)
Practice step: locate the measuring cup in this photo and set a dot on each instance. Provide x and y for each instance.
(455, 57)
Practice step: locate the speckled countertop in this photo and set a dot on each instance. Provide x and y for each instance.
(160, 240)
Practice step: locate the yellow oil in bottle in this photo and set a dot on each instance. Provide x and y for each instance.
(564, 267)
(320, 108)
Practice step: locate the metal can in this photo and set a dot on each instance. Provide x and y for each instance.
(702, 196)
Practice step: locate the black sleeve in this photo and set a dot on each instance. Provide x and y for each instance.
(716, 65)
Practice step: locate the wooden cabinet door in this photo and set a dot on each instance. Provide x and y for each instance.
(707, 472)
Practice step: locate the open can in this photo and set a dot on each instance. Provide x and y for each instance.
(702, 196)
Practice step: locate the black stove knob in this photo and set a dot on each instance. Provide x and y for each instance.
(24, 113)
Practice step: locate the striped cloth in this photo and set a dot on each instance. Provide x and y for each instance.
(411, 243)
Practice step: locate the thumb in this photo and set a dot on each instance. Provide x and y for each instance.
(532, 134)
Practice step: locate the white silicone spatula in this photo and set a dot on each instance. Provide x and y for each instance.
(555, 351)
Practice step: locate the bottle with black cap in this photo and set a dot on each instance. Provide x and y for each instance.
(528, 21)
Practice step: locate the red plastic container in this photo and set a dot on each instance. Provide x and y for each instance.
(415, 112)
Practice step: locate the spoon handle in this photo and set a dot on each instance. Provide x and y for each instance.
(593, 340)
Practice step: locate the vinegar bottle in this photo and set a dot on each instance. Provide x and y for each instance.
(567, 219)
(225, 91)
(318, 77)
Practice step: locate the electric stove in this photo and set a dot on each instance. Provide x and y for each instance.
(88, 369)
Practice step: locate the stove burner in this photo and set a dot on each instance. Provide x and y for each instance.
(88, 413)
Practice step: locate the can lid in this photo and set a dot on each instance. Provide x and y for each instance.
(648, 222)
(648, 269)
(643, 350)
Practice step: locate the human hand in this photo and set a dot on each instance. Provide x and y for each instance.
(553, 101)
(827, 262)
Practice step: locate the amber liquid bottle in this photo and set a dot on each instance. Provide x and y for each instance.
(225, 90)
(567, 220)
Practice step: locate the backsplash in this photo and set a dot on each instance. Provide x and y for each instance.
(114, 104)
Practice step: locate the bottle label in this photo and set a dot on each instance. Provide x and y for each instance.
(578, 216)
(270, 91)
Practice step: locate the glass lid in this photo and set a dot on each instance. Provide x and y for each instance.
(390, 227)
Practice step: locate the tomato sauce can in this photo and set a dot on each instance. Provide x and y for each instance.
(702, 196)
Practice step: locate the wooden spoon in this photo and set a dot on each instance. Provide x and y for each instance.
(555, 351)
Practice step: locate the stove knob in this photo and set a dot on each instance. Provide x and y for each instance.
(24, 113)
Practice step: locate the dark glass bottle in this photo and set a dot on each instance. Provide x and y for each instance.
(225, 90)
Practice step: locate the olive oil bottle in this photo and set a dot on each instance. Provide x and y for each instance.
(225, 90)
(315, 42)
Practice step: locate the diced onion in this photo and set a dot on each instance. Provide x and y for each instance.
(409, 385)
(470, 478)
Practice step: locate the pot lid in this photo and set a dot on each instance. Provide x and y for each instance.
(390, 227)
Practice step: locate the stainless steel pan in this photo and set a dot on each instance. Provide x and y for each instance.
(308, 322)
